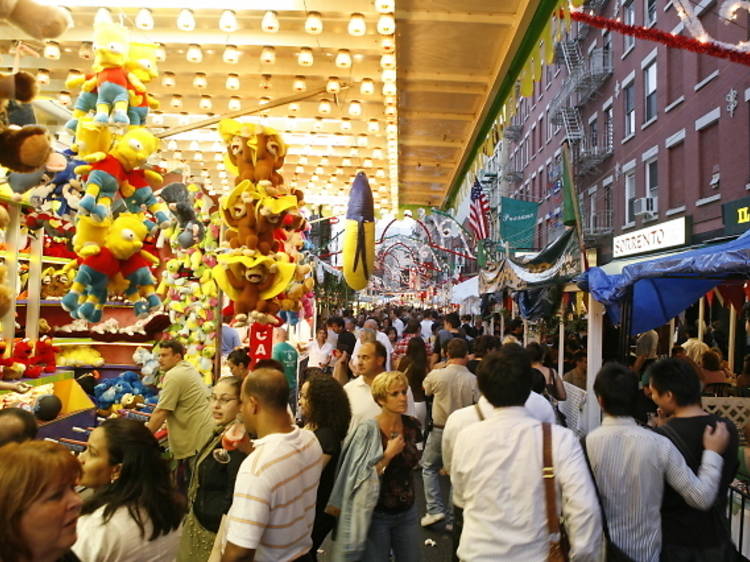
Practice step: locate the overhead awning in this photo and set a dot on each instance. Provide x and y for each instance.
(665, 286)
(465, 290)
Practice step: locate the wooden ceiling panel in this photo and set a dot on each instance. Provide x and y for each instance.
(438, 102)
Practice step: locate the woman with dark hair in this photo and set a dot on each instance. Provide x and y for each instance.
(238, 362)
(711, 371)
(39, 506)
(326, 411)
(212, 479)
(555, 387)
(392, 334)
(415, 365)
(135, 511)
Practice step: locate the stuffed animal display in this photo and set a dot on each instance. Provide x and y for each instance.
(30, 359)
(124, 391)
(263, 271)
(40, 21)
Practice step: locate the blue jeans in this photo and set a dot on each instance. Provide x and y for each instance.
(397, 532)
(432, 462)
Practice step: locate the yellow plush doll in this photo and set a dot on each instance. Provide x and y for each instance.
(141, 63)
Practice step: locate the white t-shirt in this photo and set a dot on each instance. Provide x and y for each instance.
(426, 330)
(273, 508)
(120, 539)
(319, 355)
(399, 325)
(363, 405)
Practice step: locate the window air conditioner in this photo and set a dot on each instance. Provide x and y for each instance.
(645, 206)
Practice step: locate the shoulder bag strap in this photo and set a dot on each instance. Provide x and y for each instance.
(479, 412)
(548, 475)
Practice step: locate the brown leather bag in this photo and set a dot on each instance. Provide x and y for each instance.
(558, 550)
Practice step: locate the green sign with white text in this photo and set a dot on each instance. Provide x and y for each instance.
(518, 222)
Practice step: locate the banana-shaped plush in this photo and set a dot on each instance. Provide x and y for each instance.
(359, 236)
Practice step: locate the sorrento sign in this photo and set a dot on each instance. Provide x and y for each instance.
(657, 237)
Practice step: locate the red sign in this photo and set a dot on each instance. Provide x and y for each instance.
(261, 341)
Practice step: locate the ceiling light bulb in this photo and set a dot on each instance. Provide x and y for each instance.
(324, 161)
(380, 173)
(390, 100)
(333, 86)
(346, 162)
(388, 60)
(218, 157)
(186, 21)
(265, 82)
(156, 118)
(231, 54)
(222, 174)
(194, 145)
(390, 111)
(303, 160)
(228, 21)
(198, 157)
(199, 80)
(177, 155)
(52, 50)
(168, 80)
(64, 98)
(305, 57)
(86, 50)
(144, 19)
(314, 178)
(388, 75)
(205, 103)
(268, 55)
(314, 23)
(103, 15)
(172, 145)
(176, 101)
(362, 140)
(391, 129)
(194, 53)
(299, 84)
(343, 59)
(357, 25)
(221, 167)
(385, 6)
(355, 108)
(270, 22)
(354, 152)
(233, 82)
(161, 52)
(367, 87)
(388, 44)
(386, 24)
(205, 173)
(373, 126)
(42, 77)
(346, 124)
(367, 163)
(389, 89)
(324, 107)
(299, 170)
(319, 171)
(234, 104)
(294, 107)
(265, 100)
(377, 153)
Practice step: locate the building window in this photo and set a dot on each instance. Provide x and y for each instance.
(652, 181)
(607, 45)
(628, 93)
(708, 144)
(549, 126)
(629, 197)
(649, 87)
(606, 220)
(593, 134)
(649, 12)
(628, 16)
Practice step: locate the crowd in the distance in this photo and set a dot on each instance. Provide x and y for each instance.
(386, 398)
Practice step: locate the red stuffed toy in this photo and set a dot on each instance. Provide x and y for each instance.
(44, 355)
(22, 353)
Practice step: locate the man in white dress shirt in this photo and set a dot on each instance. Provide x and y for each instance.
(496, 474)
(631, 463)
(396, 322)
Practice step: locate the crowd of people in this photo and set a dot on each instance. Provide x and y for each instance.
(272, 462)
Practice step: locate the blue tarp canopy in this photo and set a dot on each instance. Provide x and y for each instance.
(665, 286)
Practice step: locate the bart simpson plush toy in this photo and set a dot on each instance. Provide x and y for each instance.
(141, 63)
(124, 239)
(115, 170)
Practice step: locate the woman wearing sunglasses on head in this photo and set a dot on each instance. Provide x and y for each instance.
(212, 482)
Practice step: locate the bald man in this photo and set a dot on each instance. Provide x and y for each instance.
(372, 324)
(16, 426)
(278, 482)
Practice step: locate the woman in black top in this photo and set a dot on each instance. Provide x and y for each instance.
(212, 481)
(326, 412)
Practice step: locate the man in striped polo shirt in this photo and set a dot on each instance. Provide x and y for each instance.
(273, 509)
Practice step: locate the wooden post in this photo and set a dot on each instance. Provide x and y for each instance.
(591, 411)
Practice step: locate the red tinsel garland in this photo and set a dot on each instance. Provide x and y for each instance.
(664, 37)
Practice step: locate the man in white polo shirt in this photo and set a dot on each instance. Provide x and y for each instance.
(369, 362)
(270, 518)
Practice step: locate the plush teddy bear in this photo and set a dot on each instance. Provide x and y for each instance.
(238, 212)
(39, 21)
(254, 152)
(22, 149)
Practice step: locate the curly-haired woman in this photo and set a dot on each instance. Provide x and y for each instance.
(326, 411)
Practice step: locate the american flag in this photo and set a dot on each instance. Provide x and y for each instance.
(478, 211)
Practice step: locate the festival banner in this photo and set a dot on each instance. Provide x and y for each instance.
(518, 222)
